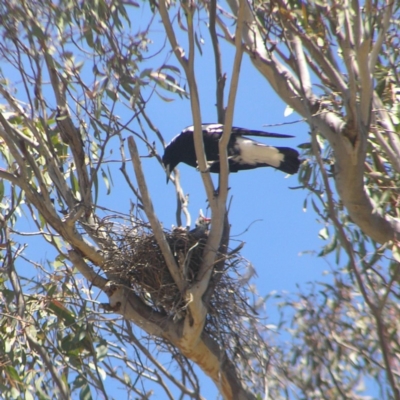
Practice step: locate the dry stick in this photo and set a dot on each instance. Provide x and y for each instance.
(219, 266)
(154, 222)
(205, 270)
(220, 78)
(223, 143)
(182, 202)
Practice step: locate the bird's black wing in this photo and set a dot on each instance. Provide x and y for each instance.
(215, 130)
(250, 132)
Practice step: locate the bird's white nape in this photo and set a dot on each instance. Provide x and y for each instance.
(211, 128)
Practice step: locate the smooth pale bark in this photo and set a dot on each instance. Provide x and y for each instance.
(204, 351)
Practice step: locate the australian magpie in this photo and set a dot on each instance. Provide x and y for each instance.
(202, 226)
(243, 153)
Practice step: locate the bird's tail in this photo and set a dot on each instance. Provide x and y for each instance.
(291, 162)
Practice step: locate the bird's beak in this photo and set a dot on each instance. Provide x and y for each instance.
(168, 171)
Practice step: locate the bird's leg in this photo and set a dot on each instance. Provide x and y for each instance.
(216, 191)
(209, 163)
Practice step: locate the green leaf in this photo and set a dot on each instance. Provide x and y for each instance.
(323, 233)
(62, 312)
(74, 184)
(305, 204)
(8, 344)
(93, 175)
(199, 43)
(331, 246)
(110, 175)
(38, 32)
(167, 82)
(106, 181)
(85, 393)
(171, 68)
(28, 395)
(51, 290)
(101, 351)
(1, 189)
(396, 252)
(112, 94)
(288, 110)
(306, 145)
(12, 373)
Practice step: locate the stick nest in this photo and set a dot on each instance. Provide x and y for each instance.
(137, 262)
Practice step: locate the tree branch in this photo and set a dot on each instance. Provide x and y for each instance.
(126, 303)
(219, 77)
(93, 277)
(154, 222)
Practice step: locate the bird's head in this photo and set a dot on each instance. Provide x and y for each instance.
(202, 226)
(179, 149)
(172, 156)
(168, 162)
(202, 220)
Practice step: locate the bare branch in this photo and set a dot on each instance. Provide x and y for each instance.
(125, 302)
(219, 77)
(154, 222)
(377, 46)
(182, 202)
(301, 65)
(86, 271)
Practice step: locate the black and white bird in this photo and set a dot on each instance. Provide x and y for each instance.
(202, 226)
(243, 153)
